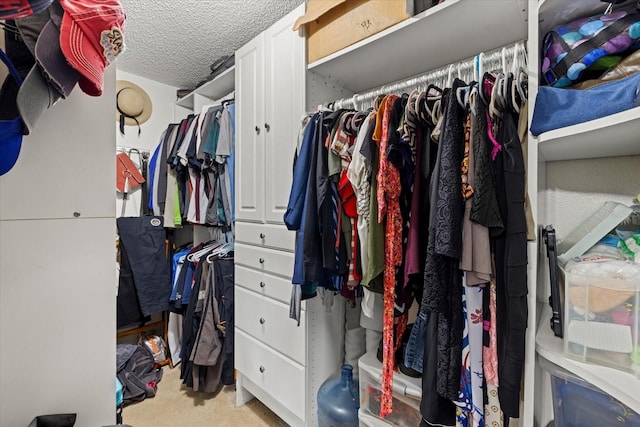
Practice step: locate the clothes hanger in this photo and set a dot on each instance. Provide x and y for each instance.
(195, 257)
(486, 84)
(220, 252)
(494, 104)
(449, 76)
(462, 94)
(10, 28)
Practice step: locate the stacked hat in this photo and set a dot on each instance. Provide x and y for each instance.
(91, 37)
(51, 77)
(66, 42)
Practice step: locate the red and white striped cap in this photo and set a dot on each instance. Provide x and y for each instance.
(91, 37)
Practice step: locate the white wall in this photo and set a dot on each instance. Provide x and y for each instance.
(163, 98)
(57, 275)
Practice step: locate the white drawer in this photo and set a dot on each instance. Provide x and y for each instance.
(264, 284)
(268, 321)
(265, 260)
(277, 375)
(266, 235)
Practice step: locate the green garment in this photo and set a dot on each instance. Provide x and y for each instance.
(372, 278)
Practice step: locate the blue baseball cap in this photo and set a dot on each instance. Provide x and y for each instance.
(11, 125)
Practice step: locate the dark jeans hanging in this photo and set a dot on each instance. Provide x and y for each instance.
(225, 296)
(143, 241)
(128, 306)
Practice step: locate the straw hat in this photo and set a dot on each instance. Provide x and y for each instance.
(132, 102)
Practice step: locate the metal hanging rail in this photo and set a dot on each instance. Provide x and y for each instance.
(469, 69)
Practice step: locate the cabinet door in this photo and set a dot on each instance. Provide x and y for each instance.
(284, 107)
(249, 155)
(67, 164)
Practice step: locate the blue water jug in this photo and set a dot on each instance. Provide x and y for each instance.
(339, 400)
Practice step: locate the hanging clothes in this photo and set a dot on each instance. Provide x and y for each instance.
(422, 198)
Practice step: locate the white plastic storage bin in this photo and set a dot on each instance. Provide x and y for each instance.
(407, 393)
(577, 403)
(368, 420)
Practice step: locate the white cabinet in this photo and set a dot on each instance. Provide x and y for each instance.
(284, 70)
(277, 361)
(57, 270)
(62, 172)
(249, 131)
(270, 101)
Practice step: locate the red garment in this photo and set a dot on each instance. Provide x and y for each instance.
(388, 194)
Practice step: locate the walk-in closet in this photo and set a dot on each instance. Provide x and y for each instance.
(359, 213)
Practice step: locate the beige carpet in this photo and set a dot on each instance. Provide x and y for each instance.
(177, 405)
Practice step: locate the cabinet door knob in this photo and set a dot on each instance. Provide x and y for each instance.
(267, 127)
(261, 368)
(262, 321)
(257, 130)
(262, 235)
(261, 260)
(262, 284)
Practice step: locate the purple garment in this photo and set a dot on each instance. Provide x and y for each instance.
(412, 253)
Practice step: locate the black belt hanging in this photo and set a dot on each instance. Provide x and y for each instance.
(124, 115)
(144, 203)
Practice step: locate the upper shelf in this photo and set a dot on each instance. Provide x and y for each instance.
(449, 32)
(623, 386)
(553, 13)
(220, 86)
(609, 136)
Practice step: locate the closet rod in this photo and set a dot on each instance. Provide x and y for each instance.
(495, 59)
(127, 149)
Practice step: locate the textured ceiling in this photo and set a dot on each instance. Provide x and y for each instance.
(175, 41)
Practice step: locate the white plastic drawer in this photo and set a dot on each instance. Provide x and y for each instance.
(264, 284)
(265, 260)
(265, 235)
(277, 375)
(268, 321)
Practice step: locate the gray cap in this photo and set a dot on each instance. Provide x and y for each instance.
(51, 77)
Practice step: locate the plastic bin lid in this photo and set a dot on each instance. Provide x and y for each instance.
(402, 384)
(591, 230)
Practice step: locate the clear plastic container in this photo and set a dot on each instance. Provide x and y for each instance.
(601, 320)
(577, 403)
(407, 393)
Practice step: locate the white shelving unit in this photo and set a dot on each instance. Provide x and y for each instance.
(606, 137)
(609, 136)
(441, 35)
(218, 87)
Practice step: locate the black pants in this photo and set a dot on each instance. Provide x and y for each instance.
(225, 297)
(143, 241)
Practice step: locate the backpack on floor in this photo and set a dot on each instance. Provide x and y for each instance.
(138, 372)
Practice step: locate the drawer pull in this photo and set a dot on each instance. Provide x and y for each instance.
(262, 284)
(262, 236)
(261, 368)
(267, 127)
(257, 130)
(261, 260)
(262, 320)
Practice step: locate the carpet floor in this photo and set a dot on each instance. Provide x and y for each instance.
(177, 405)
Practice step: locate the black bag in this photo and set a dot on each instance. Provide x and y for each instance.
(138, 373)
